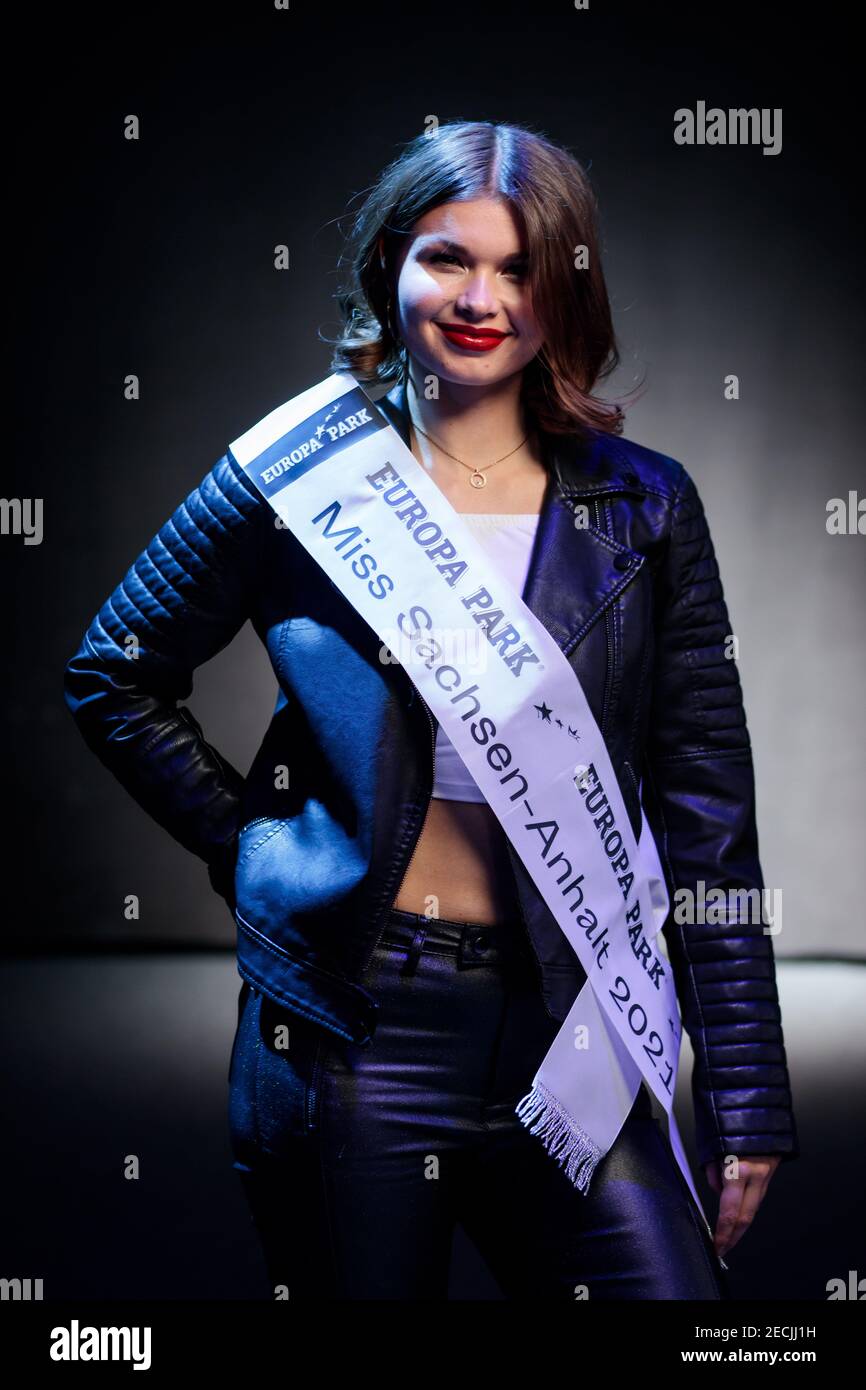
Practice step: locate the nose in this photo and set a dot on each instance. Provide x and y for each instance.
(478, 295)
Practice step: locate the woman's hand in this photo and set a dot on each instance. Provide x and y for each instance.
(739, 1197)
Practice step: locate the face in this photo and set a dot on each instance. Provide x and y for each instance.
(463, 302)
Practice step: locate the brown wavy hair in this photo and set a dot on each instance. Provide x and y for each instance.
(555, 206)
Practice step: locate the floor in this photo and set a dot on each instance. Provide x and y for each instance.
(116, 1060)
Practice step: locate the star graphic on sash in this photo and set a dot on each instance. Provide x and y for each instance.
(544, 711)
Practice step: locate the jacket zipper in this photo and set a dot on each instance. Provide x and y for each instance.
(527, 933)
(312, 1118)
(381, 929)
(429, 793)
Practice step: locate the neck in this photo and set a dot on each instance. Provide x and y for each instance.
(475, 423)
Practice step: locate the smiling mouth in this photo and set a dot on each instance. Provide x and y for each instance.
(477, 339)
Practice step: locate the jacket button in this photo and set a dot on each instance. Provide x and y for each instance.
(621, 562)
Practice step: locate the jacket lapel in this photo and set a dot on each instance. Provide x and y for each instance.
(575, 571)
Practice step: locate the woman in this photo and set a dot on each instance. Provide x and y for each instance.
(403, 976)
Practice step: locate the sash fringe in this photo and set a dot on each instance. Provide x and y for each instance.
(542, 1114)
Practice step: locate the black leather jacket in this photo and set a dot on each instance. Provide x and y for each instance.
(634, 600)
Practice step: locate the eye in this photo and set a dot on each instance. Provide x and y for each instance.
(519, 270)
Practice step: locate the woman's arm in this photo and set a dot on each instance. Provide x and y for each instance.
(701, 806)
(184, 598)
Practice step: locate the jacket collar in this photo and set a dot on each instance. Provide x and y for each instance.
(576, 570)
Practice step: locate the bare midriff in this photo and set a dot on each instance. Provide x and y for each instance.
(460, 869)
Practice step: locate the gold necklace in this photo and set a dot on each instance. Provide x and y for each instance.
(477, 478)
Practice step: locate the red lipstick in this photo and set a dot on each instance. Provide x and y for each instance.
(474, 338)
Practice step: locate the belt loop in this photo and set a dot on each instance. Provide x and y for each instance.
(411, 963)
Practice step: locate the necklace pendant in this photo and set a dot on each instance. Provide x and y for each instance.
(478, 479)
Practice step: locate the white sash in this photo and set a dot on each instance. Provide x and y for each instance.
(341, 479)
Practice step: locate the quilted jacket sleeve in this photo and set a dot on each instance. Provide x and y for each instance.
(182, 601)
(700, 771)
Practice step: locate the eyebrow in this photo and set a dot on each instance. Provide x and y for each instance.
(446, 244)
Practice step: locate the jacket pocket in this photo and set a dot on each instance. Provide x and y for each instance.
(256, 833)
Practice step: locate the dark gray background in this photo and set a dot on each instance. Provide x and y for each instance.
(156, 258)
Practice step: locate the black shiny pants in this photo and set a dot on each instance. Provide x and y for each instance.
(357, 1161)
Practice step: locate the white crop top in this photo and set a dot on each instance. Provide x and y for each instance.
(508, 541)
